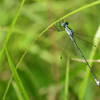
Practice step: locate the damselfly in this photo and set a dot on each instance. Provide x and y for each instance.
(64, 26)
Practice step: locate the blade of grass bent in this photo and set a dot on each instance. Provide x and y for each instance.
(85, 81)
(79, 9)
(16, 77)
(11, 28)
(73, 12)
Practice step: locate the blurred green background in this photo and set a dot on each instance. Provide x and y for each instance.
(41, 71)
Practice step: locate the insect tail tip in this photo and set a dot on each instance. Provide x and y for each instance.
(98, 83)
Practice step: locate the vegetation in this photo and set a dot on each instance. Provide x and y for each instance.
(30, 50)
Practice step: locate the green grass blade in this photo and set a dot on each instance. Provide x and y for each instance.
(67, 79)
(11, 28)
(16, 77)
(17, 90)
(85, 81)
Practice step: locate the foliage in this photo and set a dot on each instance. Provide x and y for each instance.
(35, 50)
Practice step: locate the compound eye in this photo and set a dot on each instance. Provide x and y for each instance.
(66, 23)
(63, 24)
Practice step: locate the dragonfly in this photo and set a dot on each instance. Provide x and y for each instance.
(64, 27)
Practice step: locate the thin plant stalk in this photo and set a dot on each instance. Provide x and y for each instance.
(67, 78)
(17, 90)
